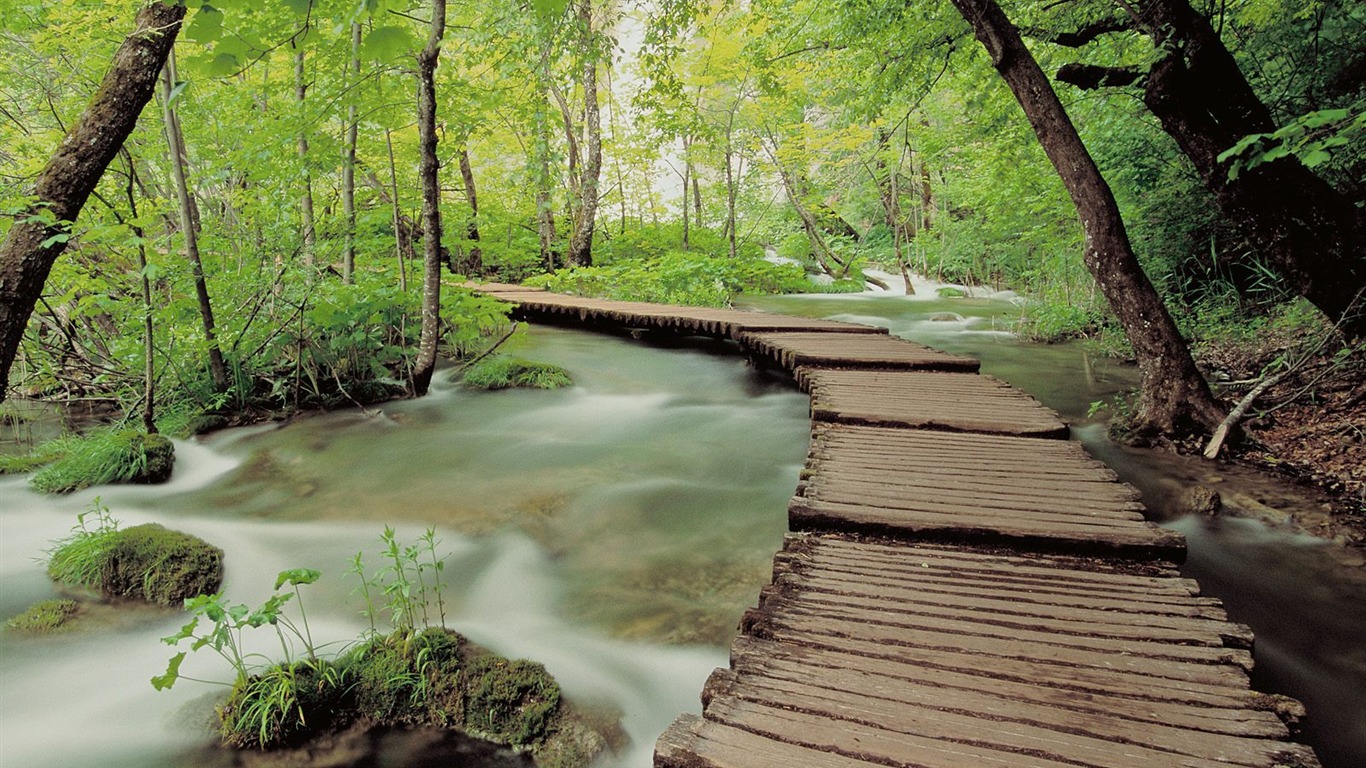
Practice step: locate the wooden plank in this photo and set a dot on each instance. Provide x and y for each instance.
(797, 662)
(1029, 531)
(893, 718)
(955, 402)
(794, 350)
(691, 742)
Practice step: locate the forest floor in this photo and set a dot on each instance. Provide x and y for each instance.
(1310, 427)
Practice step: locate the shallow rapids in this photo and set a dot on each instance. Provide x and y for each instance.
(613, 531)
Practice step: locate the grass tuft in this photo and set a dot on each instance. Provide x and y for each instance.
(112, 456)
(503, 372)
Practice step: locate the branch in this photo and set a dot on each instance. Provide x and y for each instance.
(1080, 37)
(1089, 77)
(1236, 415)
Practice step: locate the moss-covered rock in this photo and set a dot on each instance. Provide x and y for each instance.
(285, 705)
(44, 617)
(159, 459)
(153, 563)
(509, 700)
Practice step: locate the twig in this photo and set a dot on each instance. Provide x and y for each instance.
(459, 369)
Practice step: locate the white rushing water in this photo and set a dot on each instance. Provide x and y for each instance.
(658, 468)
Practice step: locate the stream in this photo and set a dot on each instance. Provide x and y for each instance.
(614, 531)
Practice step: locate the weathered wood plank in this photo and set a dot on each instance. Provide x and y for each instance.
(954, 402)
(797, 349)
(799, 662)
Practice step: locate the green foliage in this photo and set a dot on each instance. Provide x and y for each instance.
(1311, 138)
(105, 456)
(503, 372)
(78, 560)
(44, 617)
(677, 277)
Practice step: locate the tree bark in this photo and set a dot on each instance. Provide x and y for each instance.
(1174, 398)
(545, 213)
(425, 364)
(1308, 232)
(581, 242)
(474, 261)
(349, 162)
(39, 234)
(175, 141)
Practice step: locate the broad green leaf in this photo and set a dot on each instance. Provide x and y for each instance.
(60, 237)
(549, 8)
(207, 25)
(297, 576)
(387, 43)
(165, 681)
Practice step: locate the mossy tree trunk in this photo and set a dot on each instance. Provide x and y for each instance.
(40, 233)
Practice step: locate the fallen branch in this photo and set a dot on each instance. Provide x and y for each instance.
(1236, 415)
(460, 369)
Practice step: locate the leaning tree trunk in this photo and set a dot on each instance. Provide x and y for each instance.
(581, 242)
(175, 140)
(40, 232)
(1174, 397)
(425, 364)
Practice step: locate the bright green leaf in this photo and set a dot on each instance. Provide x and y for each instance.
(387, 43)
(207, 25)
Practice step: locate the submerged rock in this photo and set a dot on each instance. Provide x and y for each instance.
(160, 459)
(44, 617)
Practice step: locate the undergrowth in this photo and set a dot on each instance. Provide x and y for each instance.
(504, 372)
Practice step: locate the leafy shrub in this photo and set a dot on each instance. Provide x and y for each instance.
(678, 277)
(503, 372)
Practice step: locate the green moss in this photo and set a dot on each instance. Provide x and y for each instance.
(17, 465)
(401, 678)
(509, 701)
(44, 617)
(502, 372)
(152, 563)
(112, 456)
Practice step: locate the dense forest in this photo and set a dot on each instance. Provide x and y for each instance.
(219, 211)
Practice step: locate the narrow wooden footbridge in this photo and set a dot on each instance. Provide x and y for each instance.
(962, 586)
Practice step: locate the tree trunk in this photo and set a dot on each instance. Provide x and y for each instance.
(545, 215)
(1174, 398)
(149, 423)
(349, 163)
(474, 262)
(306, 200)
(425, 364)
(581, 242)
(730, 200)
(175, 140)
(687, 174)
(40, 233)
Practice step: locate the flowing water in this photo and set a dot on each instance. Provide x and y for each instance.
(613, 531)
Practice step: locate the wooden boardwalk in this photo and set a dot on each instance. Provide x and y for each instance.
(962, 588)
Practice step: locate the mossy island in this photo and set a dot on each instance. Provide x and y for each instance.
(504, 372)
(147, 562)
(428, 679)
(72, 463)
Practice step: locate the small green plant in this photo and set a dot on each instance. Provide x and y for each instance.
(78, 560)
(44, 617)
(503, 372)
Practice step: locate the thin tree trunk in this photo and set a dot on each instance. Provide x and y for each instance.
(425, 364)
(401, 248)
(581, 243)
(349, 163)
(730, 201)
(190, 235)
(545, 215)
(149, 423)
(306, 200)
(474, 263)
(34, 242)
(1173, 396)
(687, 174)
